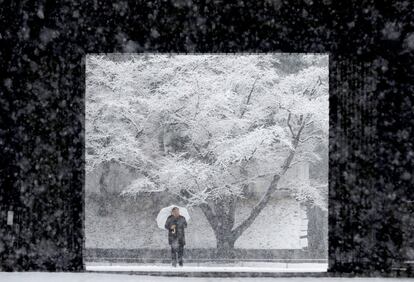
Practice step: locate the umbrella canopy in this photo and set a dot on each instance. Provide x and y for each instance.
(166, 212)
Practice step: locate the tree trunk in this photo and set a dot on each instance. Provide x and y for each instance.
(221, 215)
(103, 189)
(224, 235)
(225, 245)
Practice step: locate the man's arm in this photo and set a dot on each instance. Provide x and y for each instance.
(168, 223)
(185, 222)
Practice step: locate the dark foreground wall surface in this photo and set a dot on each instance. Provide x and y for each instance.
(371, 47)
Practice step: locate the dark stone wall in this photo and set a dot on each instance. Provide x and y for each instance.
(317, 233)
(371, 46)
(198, 255)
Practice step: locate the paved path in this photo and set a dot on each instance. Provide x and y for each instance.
(102, 277)
(193, 268)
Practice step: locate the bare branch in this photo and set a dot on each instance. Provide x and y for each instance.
(128, 164)
(310, 137)
(248, 98)
(292, 164)
(251, 178)
(197, 149)
(177, 110)
(290, 127)
(139, 130)
(312, 92)
(198, 100)
(300, 119)
(314, 132)
(180, 196)
(283, 108)
(296, 141)
(254, 151)
(195, 180)
(271, 189)
(210, 215)
(309, 123)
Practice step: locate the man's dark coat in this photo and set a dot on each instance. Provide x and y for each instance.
(179, 235)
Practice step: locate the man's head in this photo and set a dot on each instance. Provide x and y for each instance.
(175, 212)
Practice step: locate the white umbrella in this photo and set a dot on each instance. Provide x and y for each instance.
(166, 212)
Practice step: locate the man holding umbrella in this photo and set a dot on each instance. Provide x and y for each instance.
(175, 225)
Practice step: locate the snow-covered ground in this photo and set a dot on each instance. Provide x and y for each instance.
(103, 277)
(191, 267)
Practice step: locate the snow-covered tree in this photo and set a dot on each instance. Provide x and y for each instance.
(205, 127)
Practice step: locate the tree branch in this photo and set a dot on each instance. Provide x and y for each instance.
(210, 215)
(248, 98)
(309, 123)
(251, 178)
(290, 127)
(139, 130)
(128, 164)
(180, 196)
(310, 137)
(270, 190)
(198, 100)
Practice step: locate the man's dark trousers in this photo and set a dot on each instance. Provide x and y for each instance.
(177, 250)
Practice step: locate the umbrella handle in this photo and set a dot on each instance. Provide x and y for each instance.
(173, 230)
